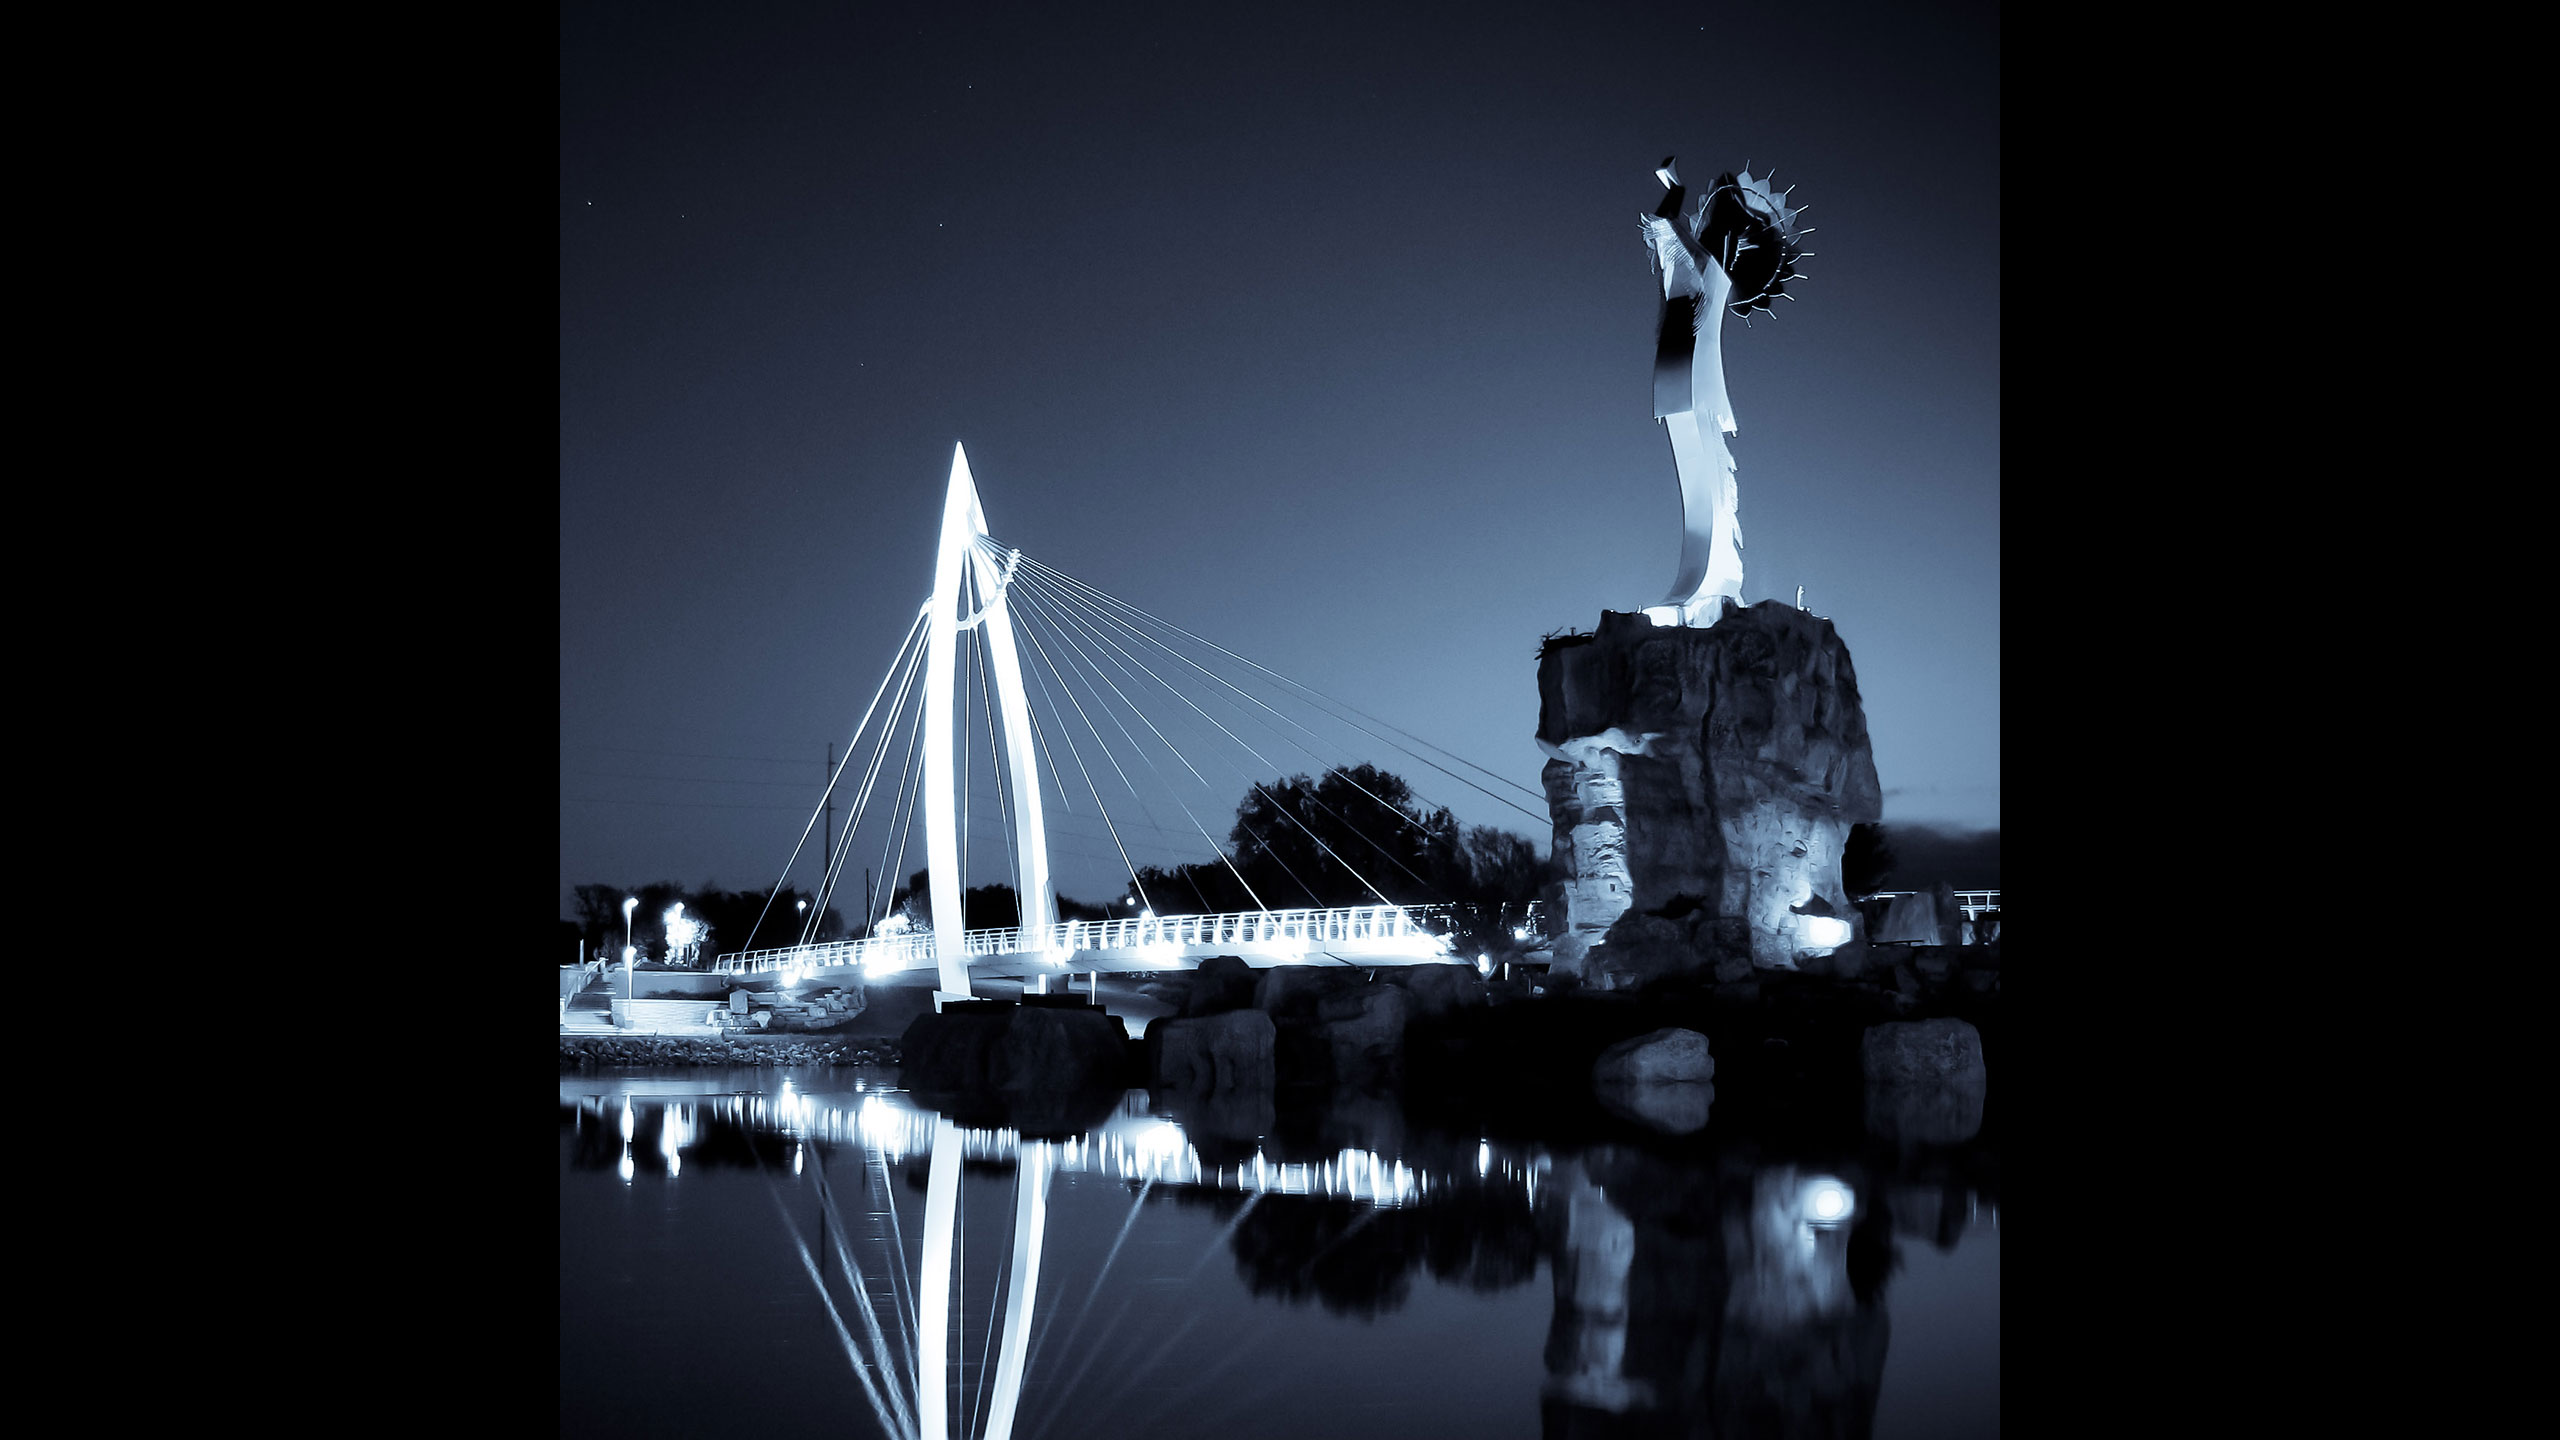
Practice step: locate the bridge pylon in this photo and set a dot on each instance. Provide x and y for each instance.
(957, 559)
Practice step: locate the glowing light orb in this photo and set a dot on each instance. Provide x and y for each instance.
(1827, 1202)
(1825, 930)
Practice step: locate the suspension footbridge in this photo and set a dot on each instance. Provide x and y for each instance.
(1131, 724)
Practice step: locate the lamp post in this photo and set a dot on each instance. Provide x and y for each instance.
(629, 904)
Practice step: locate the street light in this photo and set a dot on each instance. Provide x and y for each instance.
(629, 904)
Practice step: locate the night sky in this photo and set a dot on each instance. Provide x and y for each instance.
(1324, 331)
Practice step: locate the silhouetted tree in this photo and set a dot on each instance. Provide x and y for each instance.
(1866, 860)
(733, 917)
(982, 907)
(1346, 839)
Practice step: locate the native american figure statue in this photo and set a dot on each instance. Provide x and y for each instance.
(1735, 249)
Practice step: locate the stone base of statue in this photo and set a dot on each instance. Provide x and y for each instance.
(1703, 780)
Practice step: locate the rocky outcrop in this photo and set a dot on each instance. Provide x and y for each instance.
(1291, 992)
(1925, 1081)
(597, 1052)
(1924, 917)
(1026, 1049)
(1705, 776)
(1222, 983)
(1439, 989)
(1363, 1034)
(1665, 1057)
(1213, 1054)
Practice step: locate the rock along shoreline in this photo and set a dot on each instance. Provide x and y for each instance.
(614, 1052)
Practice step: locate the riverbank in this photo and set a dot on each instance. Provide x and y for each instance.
(619, 1052)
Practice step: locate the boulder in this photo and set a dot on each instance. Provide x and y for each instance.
(1669, 1056)
(1847, 962)
(1222, 983)
(1911, 920)
(1922, 1051)
(1439, 989)
(1925, 1081)
(1062, 1049)
(1290, 992)
(1363, 1032)
(1658, 1080)
(1673, 1109)
(1213, 1054)
(1024, 1050)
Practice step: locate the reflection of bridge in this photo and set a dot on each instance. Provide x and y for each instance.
(902, 1326)
(1363, 934)
(1133, 1144)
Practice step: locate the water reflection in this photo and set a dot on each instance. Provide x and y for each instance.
(1706, 1290)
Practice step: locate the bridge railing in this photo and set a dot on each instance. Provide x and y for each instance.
(1351, 925)
(1972, 902)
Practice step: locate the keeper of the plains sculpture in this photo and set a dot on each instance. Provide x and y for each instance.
(1706, 758)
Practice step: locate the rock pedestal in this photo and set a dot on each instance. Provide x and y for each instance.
(1703, 780)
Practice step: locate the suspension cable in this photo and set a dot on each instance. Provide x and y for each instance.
(1309, 689)
(1211, 841)
(1081, 768)
(1347, 776)
(849, 748)
(1258, 788)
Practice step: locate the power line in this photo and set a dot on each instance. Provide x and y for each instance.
(676, 804)
(691, 779)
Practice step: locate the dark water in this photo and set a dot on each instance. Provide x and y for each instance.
(747, 1252)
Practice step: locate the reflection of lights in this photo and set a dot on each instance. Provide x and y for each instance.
(1159, 1141)
(1484, 1157)
(1827, 1202)
(628, 1169)
(627, 1125)
(795, 1158)
(675, 1131)
(883, 1125)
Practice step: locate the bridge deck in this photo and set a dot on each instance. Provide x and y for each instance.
(1361, 934)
